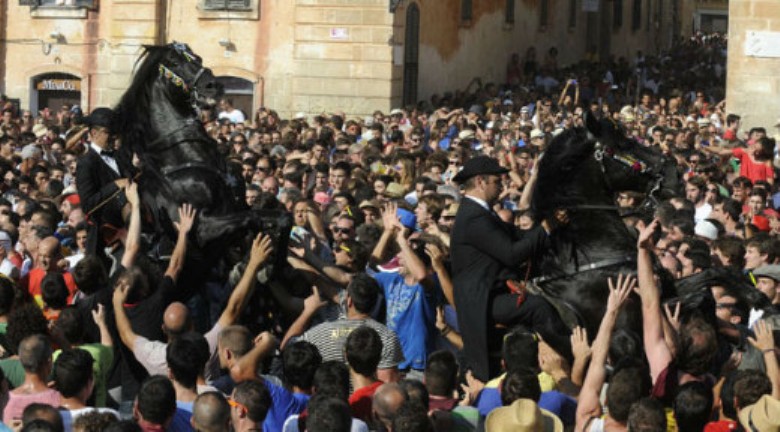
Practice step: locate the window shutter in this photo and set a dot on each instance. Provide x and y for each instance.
(28, 2)
(226, 4)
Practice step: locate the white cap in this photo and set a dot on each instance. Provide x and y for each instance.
(706, 229)
(300, 115)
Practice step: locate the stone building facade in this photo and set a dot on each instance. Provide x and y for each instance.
(753, 81)
(310, 55)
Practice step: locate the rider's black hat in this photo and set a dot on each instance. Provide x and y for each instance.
(480, 165)
(102, 117)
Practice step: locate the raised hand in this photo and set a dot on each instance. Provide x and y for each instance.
(618, 293)
(579, 343)
(186, 218)
(645, 239)
(764, 340)
(314, 301)
(261, 250)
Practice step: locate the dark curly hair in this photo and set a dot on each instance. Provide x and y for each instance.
(25, 320)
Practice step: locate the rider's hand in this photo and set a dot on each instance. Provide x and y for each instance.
(261, 250)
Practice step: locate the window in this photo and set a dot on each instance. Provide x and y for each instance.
(509, 12)
(544, 11)
(636, 15)
(617, 14)
(572, 13)
(465, 11)
(226, 4)
(649, 14)
(59, 3)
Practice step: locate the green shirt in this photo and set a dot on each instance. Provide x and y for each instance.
(104, 357)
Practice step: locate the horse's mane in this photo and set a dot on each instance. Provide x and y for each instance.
(558, 168)
(132, 112)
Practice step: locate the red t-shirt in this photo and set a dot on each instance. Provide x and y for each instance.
(755, 171)
(360, 401)
(33, 284)
(721, 426)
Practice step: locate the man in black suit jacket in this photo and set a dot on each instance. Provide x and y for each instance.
(486, 253)
(99, 179)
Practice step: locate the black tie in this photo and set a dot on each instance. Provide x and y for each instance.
(109, 153)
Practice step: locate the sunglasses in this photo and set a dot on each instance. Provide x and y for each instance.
(342, 230)
(262, 169)
(233, 403)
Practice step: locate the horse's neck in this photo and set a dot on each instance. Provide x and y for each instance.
(165, 115)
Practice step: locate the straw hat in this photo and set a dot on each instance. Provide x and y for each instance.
(524, 415)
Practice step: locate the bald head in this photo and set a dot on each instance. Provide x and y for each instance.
(48, 253)
(211, 413)
(176, 319)
(388, 399)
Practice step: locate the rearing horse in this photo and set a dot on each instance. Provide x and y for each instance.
(158, 122)
(581, 171)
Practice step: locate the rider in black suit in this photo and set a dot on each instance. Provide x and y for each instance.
(486, 253)
(99, 179)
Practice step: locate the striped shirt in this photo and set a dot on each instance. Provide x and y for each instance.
(330, 338)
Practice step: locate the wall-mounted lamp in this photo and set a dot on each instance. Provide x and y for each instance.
(55, 35)
(225, 43)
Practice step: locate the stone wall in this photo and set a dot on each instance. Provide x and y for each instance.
(753, 82)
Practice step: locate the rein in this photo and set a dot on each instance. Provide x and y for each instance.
(623, 259)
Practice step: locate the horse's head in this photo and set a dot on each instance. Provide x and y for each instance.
(184, 70)
(628, 165)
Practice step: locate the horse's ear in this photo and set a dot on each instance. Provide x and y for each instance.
(592, 124)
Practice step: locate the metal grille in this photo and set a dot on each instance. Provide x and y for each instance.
(544, 12)
(636, 15)
(617, 14)
(226, 4)
(572, 13)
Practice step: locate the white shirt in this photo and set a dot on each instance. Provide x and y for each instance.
(481, 202)
(109, 160)
(235, 116)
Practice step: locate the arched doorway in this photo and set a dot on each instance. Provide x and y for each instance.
(53, 90)
(411, 54)
(241, 91)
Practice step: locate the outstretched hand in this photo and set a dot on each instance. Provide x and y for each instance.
(261, 250)
(645, 239)
(618, 293)
(390, 218)
(186, 218)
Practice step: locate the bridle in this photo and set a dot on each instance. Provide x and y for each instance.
(637, 166)
(189, 87)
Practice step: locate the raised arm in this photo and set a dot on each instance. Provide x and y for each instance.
(132, 245)
(437, 263)
(99, 316)
(765, 342)
(588, 405)
(245, 368)
(413, 262)
(261, 249)
(720, 151)
(126, 333)
(390, 223)
(186, 219)
(658, 354)
(310, 307)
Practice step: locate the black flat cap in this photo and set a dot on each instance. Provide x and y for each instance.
(480, 165)
(103, 117)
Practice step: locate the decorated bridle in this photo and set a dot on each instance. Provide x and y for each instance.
(636, 166)
(178, 81)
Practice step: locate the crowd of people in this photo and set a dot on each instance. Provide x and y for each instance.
(409, 228)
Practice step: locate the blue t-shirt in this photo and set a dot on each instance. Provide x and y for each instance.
(556, 402)
(181, 420)
(411, 314)
(284, 404)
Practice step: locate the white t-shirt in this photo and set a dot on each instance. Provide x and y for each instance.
(235, 116)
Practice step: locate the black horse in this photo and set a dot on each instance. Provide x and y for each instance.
(581, 172)
(158, 121)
